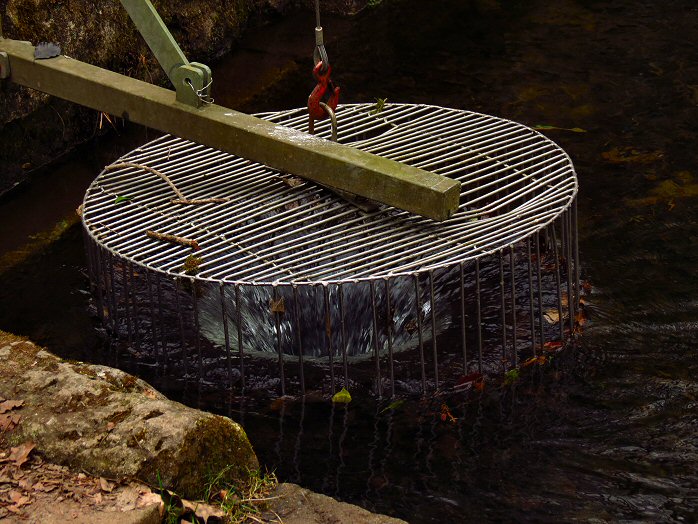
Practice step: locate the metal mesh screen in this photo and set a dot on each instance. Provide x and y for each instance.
(296, 288)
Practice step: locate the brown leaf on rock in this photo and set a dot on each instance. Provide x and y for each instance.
(9, 405)
(105, 485)
(18, 498)
(150, 393)
(203, 511)
(20, 454)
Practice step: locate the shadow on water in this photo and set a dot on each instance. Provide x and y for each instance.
(606, 433)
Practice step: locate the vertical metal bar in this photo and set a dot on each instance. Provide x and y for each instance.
(344, 335)
(111, 296)
(277, 320)
(433, 329)
(151, 300)
(226, 335)
(530, 296)
(98, 282)
(512, 267)
(241, 351)
(161, 319)
(379, 384)
(180, 317)
(462, 319)
(389, 329)
(197, 336)
(134, 303)
(328, 335)
(577, 268)
(540, 294)
(420, 334)
(297, 310)
(127, 305)
(478, 300)
(568, 260)
(558, 282)
(502, 316)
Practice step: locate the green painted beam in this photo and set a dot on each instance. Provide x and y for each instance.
(188, 78)
(335, 165)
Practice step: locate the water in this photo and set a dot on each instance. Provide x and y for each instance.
(607, 433)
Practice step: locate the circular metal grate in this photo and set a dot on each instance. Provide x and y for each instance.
(288, 269)
(279, 229)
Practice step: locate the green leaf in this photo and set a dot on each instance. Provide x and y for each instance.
(342, 397)
(511, 376)
(120, 199)
(393, 405)
(543, 127)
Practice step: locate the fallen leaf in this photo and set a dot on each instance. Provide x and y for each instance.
(555, 345)
(277, 306)
(393, 405)
(151, 499)
(632, 156)
(552, 316)
(150, 393)
(293, 181)
(539, 360)
(121, 199)
(466, 382)
(105, 485)
(341, 397)
(542, 127)
(446, 415)
(8, 405)
(9, 421)
(20, 454)
(18, 499)
(201, 510)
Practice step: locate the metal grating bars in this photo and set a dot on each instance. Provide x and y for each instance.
(289, 270)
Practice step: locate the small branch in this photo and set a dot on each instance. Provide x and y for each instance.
(199, 201)
(181, 198)
(149, 169)
(174, 239)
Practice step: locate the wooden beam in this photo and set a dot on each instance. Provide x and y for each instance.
(279, 147)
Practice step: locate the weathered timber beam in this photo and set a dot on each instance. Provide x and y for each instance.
(335, 165)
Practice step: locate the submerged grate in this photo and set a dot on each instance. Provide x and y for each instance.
(288, 270)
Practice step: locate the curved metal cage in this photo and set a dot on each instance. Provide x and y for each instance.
(290, 270)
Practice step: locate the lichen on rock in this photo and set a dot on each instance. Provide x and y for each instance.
(111, 424)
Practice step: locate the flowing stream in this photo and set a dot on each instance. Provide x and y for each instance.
(607, 431)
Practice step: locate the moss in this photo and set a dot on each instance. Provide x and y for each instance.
(215, 444)
(38, 243)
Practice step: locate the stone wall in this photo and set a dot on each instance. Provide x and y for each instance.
(36, 128)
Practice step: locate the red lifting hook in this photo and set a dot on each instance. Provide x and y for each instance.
(315, 110)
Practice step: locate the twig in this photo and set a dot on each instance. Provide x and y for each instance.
(173, 239)
(149, 169)
(181, 198)
(199, 201)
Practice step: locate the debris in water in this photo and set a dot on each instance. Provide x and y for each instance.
(341, 397)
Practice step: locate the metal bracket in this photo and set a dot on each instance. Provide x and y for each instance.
(191, 80)
(4, 65)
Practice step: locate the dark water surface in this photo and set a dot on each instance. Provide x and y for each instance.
(608, 432)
